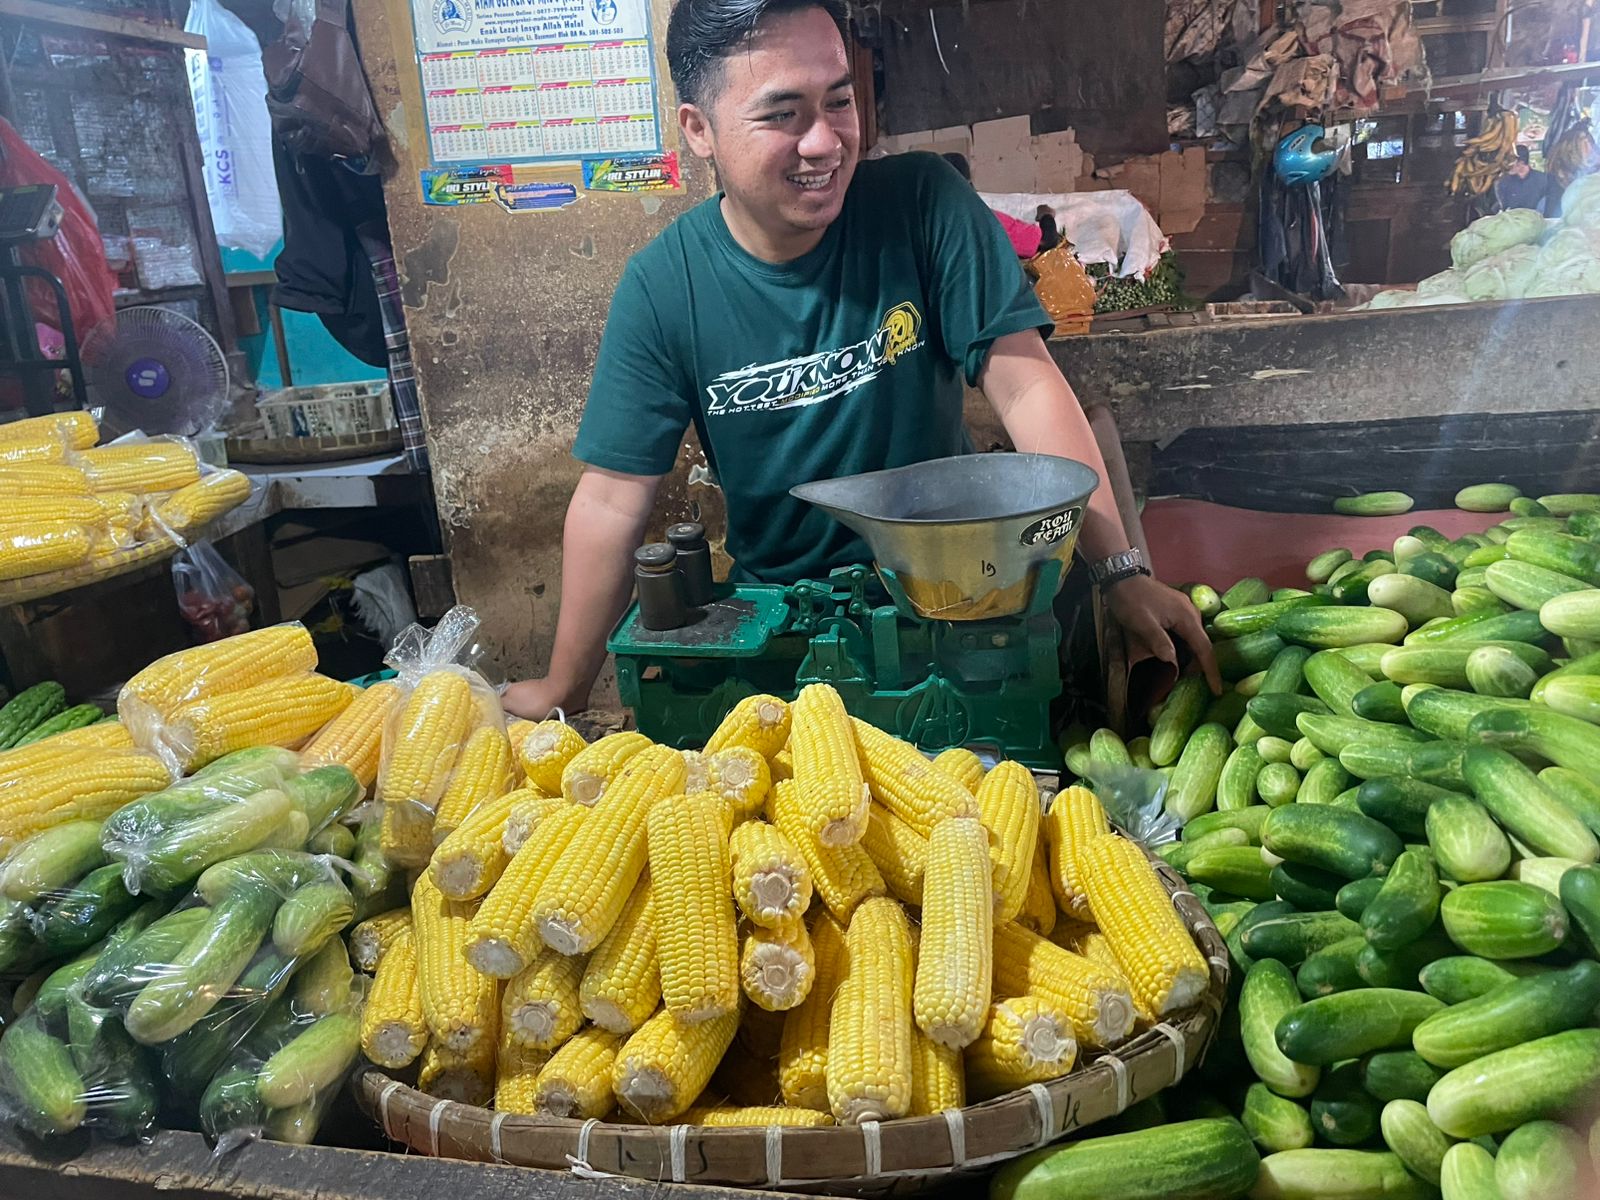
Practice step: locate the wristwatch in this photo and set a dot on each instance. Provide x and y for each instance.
(1114, 569)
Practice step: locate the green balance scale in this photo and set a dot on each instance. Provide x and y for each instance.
(948, 640)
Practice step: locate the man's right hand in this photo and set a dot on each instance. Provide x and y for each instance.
(538, 699)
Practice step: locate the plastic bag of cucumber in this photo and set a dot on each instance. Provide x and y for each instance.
(1393, 817)
(188, 959)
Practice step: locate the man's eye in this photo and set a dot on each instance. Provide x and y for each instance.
(774, 118)
(841, 105)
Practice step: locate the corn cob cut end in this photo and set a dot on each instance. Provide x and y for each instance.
(459, 878)
(1114, 1016)
(561, 934)
(534, 1023)
(846, 831)
(496, 957)
(395, 1044)
(775, 894)
(776, 974)
(1046, 1043)
(584, 788)
(608, 1014)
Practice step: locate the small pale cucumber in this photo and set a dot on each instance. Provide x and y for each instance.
(1246, 655)
(1401, 804)
(1566, 504)
(1331, 969)
(1077, 759)
(1325, 564)
(1250, 686)
(1323, 783)
(1178, 854)
(1429, 536)
(179, 856)
(313, 1062)
(1351, 589)
(1238, 870)
(1504, 919)
(1407, 904)
(39, 1084)
(1575, 696)
(1408, 1131)
(1375, 762)
(121, 971)
(1495, 627)
(1525, 586)
(1374, 504)
(1515, 1012)
(1193, 789)
(1445, 664)
(1343, 843)
(1303, 755)
(1236, 787)
(1278, 784)
(1205, 598)
(1107, 748)
(1268, 996)
(1273, 1122)
(310, 916)
(1332, 734)
(1179, 718)
(1275, 749)
(1487, 497)
(1406, 548)
(1342, 1113)
(1248, 819)
(50, 861)
(1526, 808)
(1286, 672)
(1326, 628)
(1467, 844)
(1546, 1077)
(1207, 1159)
(1413, 598)
(1539, 1161)
(1379, 702)
(1398, 1075)
(1545, 873)
(1574, 614)
(1277, 712)
(1470, 600)
(1349, 1024)
(1353, 898)
(1467, 1173)
(1336, 681)
(1499, 671)
(1291, 939)
(1293, 594)
(1402, 968)
(1319, 1174)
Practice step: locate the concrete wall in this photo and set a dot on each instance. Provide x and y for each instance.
(505, 313)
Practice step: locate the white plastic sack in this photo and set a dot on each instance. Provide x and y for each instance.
(229, 89)
(1103, 227)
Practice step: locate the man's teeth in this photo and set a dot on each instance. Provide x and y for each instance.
(812, 182)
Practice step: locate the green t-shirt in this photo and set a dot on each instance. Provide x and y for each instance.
(845, 360)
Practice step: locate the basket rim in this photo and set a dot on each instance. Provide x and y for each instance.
(1105, 1083)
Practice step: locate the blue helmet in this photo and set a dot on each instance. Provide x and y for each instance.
(1298, 161)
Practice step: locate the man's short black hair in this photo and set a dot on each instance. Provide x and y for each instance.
(701, 33)
(1522, 154)
(960, 163)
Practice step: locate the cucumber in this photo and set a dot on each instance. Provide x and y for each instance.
(1323, 782)
(1407, 903)
(1498, 671)
(39, 1083)
(1290, 939)
(1319, 1174)
(1431, 567)
(1268, 996)
(1379, 702)
(1248, 819)
(1303, 755)
(311, 915)
(1583, 665)
(1512, 1013)
(1354, 897)
(1193, 787)
(1504, 919)
(1406, 548)
(76, 717)
(1178, 854)
(1206, 1159)
(122, 970)
(1525, 586)
(1374, 504)
(1467, 844)
(1343, 843)
(1398, 1075)
(1274, 749)
(79, 917)
(1308, 889)
(1246, 593)
(1077, 759)
(1467, 1173)
(1205, 599)
(179, 856)
(1179, 718)
(1277, 712)
(1548, 523)
(1238, 870)
(1273, 1122)
(1401, 804)
(1366, 656)
(121, 1088)
(1430, 537)
(280, 871)
(1575, 696)
(1409, 1132)
(1563, 740)
(1278, 784)
(1580, 896)
(1445, 663)
(1526, 808)
(1545, 1077)
(1489, 627)
(1413, 598)
(1351, 589)
(1441, 763)
(1487, 497)
(1256, 618)
(50, 1001)
(1468, 600)
(1325, 564)
(1446, 713)
(1375, 762)
(1286, 672)
(1403, 968)
(336, 840)
(1335, 680)
(50, 861)
(1332, 734)
(231, 1102)
(1345, 1025)
(1342, 1113)
(189, 1060)
(1543, 873)
(1107, 748)
(1331, 969)
(1573, 556)
(324, 794)
(1246, 655)
(1236, 786)
(313, 1062)
(1573, 614)
(1541, 1160)
(324, 984)
(1326, 628)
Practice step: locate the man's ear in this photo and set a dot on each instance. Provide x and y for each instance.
(696, 127)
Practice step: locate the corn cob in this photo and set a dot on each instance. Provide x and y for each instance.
(200, 503)
(696, 772)
(741, 777)
(459, 1004)
(582, 897)
(1008, 806)
(110, 734)
(770, 879)
(529, 806)
(354, 738)
(371, 939)
(140, 467)
(482, 773)
(76, 430)
(283, 712)
(40, 547)
(544, 752)
(517, 730)
(466, 1077)
(393, 1032)
(735, 1116)
(803, 1050)
(1097, 1002)
(830, 792)
(585, 779)
(468, 862)
(1069, 933)
(405, 834)
(539, 1010)
(1159, 958)
(1025, 1040)
(777, 967)
(576, 1082)
(760, 722)
(622, 983)
(869, 1032)
(1075, 816)
(962, 765)
(424, 740)
(698, 949)
(905, 782)
(516, 1078)
(41, 479)
(937, 1081)
(31, 510)
(951, 996)
(782, 765)
(1039, 906)
(1092, 944)
(665, 1065)
(842, 875)
(79, 789)
(230, 665)
(39, 446)
(898, 851)
(504, 937)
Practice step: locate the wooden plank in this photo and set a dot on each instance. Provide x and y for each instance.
(1431, 26)
(80, 18)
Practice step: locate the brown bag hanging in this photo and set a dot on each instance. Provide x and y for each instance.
(317, 91)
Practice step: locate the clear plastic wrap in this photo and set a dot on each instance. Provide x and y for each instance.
(213, 598)
(446, 701)
(140, 465)
(42, 546)
(1135, 798)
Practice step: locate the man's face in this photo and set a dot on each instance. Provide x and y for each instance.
(782, 126)
(1521, 169)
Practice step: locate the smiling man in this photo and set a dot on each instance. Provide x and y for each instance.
(816, 318)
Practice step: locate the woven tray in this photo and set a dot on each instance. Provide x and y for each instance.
(51, 583)
(890, 1159)
(336, 447)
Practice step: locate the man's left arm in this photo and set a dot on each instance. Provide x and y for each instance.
(1042, 416)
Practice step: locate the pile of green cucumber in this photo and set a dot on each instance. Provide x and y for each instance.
(187, 943)
(39, 711)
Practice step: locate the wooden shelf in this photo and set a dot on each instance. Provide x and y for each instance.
(93, 22)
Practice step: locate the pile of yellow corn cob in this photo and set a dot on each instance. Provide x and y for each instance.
(83, 774)
(808, 922)
(71, 504)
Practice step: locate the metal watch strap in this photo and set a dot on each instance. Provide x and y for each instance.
(1116, 567)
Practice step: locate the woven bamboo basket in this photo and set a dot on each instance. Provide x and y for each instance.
(892, 1158)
